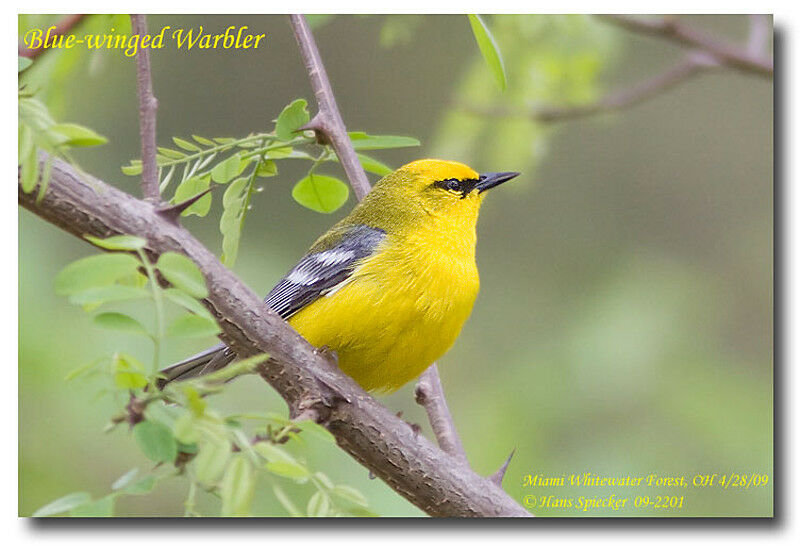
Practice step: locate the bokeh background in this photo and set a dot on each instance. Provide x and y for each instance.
(624, 325)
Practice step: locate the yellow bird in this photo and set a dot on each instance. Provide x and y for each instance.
(389, 287)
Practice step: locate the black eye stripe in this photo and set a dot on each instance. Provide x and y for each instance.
(455, 185)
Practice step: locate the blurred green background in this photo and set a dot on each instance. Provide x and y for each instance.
(624, 325)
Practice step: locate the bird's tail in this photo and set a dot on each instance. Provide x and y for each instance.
(207, 361)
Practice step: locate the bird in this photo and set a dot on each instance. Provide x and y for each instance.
(389, 287)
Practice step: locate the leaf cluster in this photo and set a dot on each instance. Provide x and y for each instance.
(197, 164)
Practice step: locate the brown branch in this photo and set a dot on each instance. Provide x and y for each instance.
(147, 114)
(670, 28)
(414, 467)
(430, 395)
(692, 65)
(329, 126)
(328, 121)
(64, 26)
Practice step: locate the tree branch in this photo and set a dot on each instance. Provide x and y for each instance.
(328, 122)
(430, 395)
(692, 65)
(329, 126)
(437, 483)
(672, 29)
(63, 27)
(147, 114)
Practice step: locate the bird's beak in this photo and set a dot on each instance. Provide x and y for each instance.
(490, 180)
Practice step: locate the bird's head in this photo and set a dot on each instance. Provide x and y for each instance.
(433, 187)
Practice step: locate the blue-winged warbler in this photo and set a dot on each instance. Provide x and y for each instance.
(389, 287)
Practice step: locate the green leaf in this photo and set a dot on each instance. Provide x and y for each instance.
(230, 224)
(107, 294)
(286, 502)
(489, 50)
(204, 141)
(78, 135)
(319, 506)
(182, 273)
(128, 372)
(192, 326)
(321, 193)
(24, 62)
(318, 431)
(94, 271)
(45, 179)
(171, 154)
(130, 380)
(185, 144)
(273, 453)
(291, 119)
(266, 169)
(191, 187)
(30, 167)
(286, 469)
(195, 402)
(227, 170)
(100, 508)
(280, 153)
(323, 480)
(211, 460)
(120, 322)
(363, 141)
(156, 441)
(64, 504)
(141, 486)
(350, 494)
(372, 165)
(186, 430)
(134, 169)
(186, 301)
(237, 487)
(125, 479)
(118, 242)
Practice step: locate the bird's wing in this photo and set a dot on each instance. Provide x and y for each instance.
(320, 272)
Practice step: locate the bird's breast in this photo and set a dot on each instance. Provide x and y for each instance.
(400, 310)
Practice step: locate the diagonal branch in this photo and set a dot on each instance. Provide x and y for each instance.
(330, 128)
(674, 30)
(691, 66)
(328, 122)
(410, 464)
(694, 63)
(147, 114)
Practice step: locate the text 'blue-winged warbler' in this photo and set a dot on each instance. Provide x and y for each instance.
(389, 287)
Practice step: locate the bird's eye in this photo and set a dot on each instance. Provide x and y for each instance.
(453, 185)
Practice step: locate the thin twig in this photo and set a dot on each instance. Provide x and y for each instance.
(329, 125)
(692, 65)
(63, 27)
(328, 120)
(147, 114)
(671, 29)
(430, 395)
